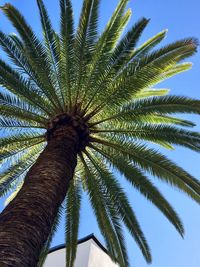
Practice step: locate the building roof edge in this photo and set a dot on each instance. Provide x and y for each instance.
(80, 241)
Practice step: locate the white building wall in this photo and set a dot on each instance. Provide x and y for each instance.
(89, 254)
(57, 258)
(82, 255)
(99, 258)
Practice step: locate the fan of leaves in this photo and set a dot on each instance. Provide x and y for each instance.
(111, 80)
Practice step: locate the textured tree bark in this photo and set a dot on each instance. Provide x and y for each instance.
(26, 222)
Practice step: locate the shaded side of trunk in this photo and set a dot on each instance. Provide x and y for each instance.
(26, 222)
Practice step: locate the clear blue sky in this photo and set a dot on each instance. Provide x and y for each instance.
(182, 19)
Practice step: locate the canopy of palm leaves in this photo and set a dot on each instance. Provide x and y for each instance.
(104, 84)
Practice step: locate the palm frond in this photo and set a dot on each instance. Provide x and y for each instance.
(51, 47)
(148, 71)
(18, 113)
(13, 47)
(149, 44)
(17, 170)
(119, 199)
(14, 147)
(81, 45)
(16, 40)
(162, 119)
(73, 203)
(143, 73)
(118, 56)
(48, 32)
(106, 224)
(137, 178)
(67, 52)
(151, 92)
(153, 107)
(155, 133)
(34, 51)
(12, 126)
(99, 66)
(14, 193)
(164, 105)
(127, 45)
(12, 80)
(92, 34)
(156, 164)
(112, 31)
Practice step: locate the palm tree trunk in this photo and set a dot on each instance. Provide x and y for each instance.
(26, 222)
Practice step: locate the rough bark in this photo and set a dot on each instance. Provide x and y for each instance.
(26, 222)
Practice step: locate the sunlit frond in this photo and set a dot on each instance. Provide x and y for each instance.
(17, 170)
(155, 163)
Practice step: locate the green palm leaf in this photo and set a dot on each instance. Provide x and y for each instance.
(157, 164)
(121, 202)
(108, 225)
(51, 45)
(34, 51)
(155, 133)
(73, 203)
(135, 176)
(66, 53)
(17, 170)
(127, 45)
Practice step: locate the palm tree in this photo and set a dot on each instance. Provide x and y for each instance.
(74, 109)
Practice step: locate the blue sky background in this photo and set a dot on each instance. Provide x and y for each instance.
(182, 19)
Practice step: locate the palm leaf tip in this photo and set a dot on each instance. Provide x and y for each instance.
(5, 6)
(194, 42)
